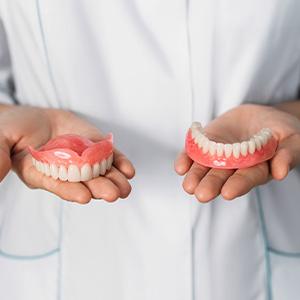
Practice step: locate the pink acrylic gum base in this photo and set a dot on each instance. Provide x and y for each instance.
(222, 162)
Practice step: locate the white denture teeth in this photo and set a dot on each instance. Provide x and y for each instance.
(244, 148)
(86, 172)
(220, 149)
(236, 150)
(256, 142)
(96, 170)
(63, 173)
(228, 150)
(196, 129)
(212, 148)
(73, 173)
(205, 145)
(251, 146)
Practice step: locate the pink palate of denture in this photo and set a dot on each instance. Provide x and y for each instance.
(74, 158)
(260, 147)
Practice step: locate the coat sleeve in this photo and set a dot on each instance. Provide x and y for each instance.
(6, 78)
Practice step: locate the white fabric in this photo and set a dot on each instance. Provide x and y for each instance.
(144, 70)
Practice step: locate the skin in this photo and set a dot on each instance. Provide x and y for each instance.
(21, 126)
(239, 124)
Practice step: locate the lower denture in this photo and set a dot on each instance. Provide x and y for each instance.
(259, 148)
(74, 158)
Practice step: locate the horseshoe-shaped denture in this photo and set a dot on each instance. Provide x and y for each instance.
(260, 147)
(74, 158)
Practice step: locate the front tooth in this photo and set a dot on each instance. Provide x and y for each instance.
(212, 147)
(86, 172)
(110, 161)
(236, 150)
(228, 150)
(47, 169)
(103, 165)
(54, 171)
(205, 145)
(244, 148)
(96, 170)
(220, 149)
(257, 140)
(63, 173)
(251, 146)
(73, 173)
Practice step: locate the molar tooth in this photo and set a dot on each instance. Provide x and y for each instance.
(63, 173)
(251, 146)
(196, 125)
(73, 173)
(258, 142)
(103, 165)
(220, 149)
(228, 150)
(86, 172)
(268, 132)
(263, 137)
(54, 171)
(37, 165)
(199, 139)
(244, 148)
(212, 147)
(47, 169)
(236, 150)
(205, 145)
(110, 161)
(96, 170)
(196, 132)
(42, 168)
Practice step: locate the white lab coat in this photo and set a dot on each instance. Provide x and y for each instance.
(144, 70)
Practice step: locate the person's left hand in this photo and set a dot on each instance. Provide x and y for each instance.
(236, 125)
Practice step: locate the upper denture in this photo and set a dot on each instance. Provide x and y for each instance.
(260, 147)
(73, 157)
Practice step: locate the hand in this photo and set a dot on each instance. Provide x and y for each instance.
(21, 126)
(206, 183)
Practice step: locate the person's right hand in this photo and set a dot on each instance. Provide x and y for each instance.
(21, 126)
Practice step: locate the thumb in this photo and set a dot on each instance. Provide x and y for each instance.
(5, 161)
(286, 158)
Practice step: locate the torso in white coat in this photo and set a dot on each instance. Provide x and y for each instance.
(144, 70)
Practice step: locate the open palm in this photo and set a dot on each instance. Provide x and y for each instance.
(23, 126)
(237, 125)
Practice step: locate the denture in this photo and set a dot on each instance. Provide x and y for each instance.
(73, 158)
(260, 147)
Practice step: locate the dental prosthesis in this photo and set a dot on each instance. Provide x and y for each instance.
(74, 158)
(260, 147)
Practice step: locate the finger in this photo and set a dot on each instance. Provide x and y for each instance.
(243, 180)
(110, 187)
(120, 180)
(286, 157)
(182, 163)
(70, 191)
(103, 188)
(122, 163)
(211, 184)
(193, 177)
(5, 161)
